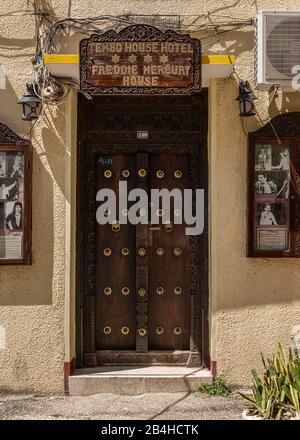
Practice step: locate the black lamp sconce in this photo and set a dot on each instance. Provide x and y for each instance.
(30, 104)
(246, 100)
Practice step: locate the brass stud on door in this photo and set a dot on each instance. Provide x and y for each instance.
(160, 252)
(160, 174)
(142, 172)
(142, 212)
(124, 330)
(159, 330)
(142, 332)
(160, 212)
(107, 174)
(168, 227)
(177, 212)
(178, 174)
(115, 226)
(160, 290)
(125, 252)
(142, 252)
(107, 252)
(142, 292)
(177, 331)
(125, 212)
(177, 290)
(107, 291)
(125, 291)
(125, 173)
(107, 212)
(177, 251)
(107, 330)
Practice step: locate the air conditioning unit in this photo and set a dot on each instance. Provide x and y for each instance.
(277, 51)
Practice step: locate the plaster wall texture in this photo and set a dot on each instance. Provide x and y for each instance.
(253, 303)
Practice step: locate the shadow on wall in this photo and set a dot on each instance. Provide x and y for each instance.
(31, 285)
(11, 110)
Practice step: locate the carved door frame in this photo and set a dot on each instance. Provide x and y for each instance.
(90, 145)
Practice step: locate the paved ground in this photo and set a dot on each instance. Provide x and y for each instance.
(152, 406)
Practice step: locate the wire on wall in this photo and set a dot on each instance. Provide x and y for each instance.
(50, 32)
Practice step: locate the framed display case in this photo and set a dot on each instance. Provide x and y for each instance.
(274, 190)
(15, 198)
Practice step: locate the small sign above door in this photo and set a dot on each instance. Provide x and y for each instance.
(140, 59)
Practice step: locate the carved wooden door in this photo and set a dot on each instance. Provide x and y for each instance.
(141, 289)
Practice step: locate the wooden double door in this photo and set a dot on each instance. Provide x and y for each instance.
(142, 288)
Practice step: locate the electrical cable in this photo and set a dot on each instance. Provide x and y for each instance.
(53, 90)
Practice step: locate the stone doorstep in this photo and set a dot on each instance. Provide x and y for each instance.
(137, 380)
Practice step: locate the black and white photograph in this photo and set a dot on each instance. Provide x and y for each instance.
(15, 165)
(271, 214)
(14, 216)
(280, 158)
(263, 158)
(2, 164)
(264, 184)
(9, 189)
(275, 183)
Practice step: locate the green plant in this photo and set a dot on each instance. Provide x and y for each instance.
(218, 387)
(277, 391)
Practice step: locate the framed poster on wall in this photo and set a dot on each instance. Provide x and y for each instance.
(15, 198)
(274, 189)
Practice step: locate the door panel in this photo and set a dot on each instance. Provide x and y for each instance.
(150, 291)
(169, 285)
(115, 308)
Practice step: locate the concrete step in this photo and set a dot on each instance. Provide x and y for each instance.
(137, 380)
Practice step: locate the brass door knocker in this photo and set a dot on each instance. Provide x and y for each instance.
(168, 227)
(115, 226)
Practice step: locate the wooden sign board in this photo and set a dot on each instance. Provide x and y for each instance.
(140, 59)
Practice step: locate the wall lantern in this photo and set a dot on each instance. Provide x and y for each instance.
(246, 100)
(30, 104)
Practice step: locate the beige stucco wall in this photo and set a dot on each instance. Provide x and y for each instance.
(253, 303)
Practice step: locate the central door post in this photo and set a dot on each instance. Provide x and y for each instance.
(142, 262)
